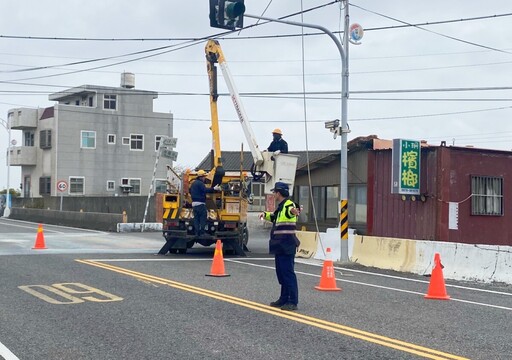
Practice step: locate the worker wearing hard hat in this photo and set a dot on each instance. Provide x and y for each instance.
(198, 191)
(278, 144)
(283, 244)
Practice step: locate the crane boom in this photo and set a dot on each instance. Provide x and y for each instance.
(267, 166)
(214, 55)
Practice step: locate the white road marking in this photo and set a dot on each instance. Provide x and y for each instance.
(6, 353)
(414, 280)
(32, 225)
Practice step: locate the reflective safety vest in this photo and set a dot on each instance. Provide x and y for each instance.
(283, 240)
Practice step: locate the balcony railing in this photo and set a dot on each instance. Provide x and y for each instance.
(23, 155)
(23, 118)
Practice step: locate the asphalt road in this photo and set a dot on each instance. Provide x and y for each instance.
(95, 295)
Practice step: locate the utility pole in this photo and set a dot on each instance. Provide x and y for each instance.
(7, 210)
(343, 205)
(229, 14)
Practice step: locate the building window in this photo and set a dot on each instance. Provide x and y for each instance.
(130, 185)
(88, 139)
(135, 184)
(111, 185)
(29, 138)
(331, 204)
(45, 185)
(357, 203)
(109, 102)
(126, 141)
(487, 195)
(91, 101)
(137, 142)
(158, 139)
(111, 139)
(45, 139)
(319, 201)
(76, 185)
(302, 196)
(160, 186)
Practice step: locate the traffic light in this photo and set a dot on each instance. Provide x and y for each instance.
(227, 14)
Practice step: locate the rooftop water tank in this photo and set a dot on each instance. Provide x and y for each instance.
(128, 80)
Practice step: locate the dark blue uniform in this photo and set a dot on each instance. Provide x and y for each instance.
(283, 244)
(198, 191)
(278, 144)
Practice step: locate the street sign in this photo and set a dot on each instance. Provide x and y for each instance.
(169, 142)
(356, 32)
(406, 167)
(62, 185)
(170, 154)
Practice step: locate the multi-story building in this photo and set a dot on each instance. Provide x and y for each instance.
(95, 141)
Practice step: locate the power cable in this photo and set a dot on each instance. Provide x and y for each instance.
(405, 25)
(433, 32)
(304, 107)
(187, 44)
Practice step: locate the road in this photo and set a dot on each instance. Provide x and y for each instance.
(95, 295)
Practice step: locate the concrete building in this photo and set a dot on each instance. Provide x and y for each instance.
(95, 141)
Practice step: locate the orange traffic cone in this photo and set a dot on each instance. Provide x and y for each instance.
(218, 262)
(39, 244)
(328, 278)
(437, 287)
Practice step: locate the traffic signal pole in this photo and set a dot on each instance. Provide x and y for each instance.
(343, 205)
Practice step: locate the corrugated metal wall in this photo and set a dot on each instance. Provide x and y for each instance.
(445, 177)
(391, 216)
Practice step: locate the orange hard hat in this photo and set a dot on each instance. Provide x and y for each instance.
(201, 173)
(277, 131)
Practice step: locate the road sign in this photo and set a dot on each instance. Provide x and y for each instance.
(62, 185)
(170, 142)
(170, 154)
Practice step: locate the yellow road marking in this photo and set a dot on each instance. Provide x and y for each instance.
(304, 319)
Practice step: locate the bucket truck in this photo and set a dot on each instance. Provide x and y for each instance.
(227, 208)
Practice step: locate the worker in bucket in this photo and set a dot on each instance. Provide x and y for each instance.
(278, 144)
(283, 244)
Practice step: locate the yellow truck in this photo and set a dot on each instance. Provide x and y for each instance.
(227, 207)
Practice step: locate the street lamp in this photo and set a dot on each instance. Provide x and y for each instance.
(7, 126)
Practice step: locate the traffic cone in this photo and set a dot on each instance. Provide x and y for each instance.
(437, 287)
(218, 262)
(328, 278)
(39, 244)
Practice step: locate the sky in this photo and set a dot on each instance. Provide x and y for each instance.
(435, 71)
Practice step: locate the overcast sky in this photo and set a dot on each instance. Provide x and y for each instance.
(393, 62)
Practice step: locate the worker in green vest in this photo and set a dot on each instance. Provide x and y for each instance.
(283, 244)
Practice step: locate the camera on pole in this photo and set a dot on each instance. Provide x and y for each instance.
(227, 14)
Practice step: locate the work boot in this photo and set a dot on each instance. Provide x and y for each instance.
(289, 307)
(277, 303)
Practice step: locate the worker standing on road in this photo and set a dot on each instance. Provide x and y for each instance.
(283, 244)
(278, 143)
(198, 191)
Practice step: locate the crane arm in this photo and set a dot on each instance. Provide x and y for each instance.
(214, 55)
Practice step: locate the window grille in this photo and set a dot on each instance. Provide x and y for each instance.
(487, 195)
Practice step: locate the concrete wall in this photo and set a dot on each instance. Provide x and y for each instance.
(485, 263)
(133, 205)
(89, 220)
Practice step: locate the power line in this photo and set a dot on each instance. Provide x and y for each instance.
(405, 25)
(433, 32)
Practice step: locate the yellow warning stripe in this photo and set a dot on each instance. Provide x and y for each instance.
(304, 319)
(344, 219)
(173, 215)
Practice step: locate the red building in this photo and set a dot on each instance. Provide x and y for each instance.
(473, 181)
